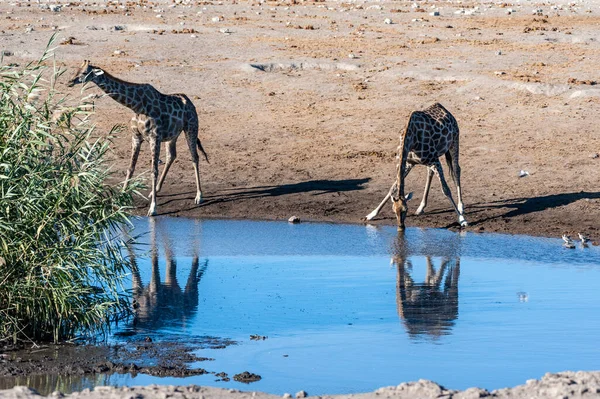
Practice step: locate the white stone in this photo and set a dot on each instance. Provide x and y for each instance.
(387, 21)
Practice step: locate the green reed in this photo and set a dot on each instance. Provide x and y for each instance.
(61, 268)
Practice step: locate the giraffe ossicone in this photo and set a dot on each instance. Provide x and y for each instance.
(158, 118)
(430, 133)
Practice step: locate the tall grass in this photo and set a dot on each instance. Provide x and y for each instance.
(61, 267)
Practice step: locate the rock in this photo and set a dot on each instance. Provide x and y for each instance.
(301, 394)
(287, 395)
(7, 53)
(117, 27)
(294, 219)
(595, 155)
(216, 19)
(226, 31)
(55, 7)
(435, 13)
(387, 21)
(247, 377)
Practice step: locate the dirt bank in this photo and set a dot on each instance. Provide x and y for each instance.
(301, 103)
(560, 385)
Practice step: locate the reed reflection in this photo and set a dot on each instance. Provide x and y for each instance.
(430, 307)
(160, 304)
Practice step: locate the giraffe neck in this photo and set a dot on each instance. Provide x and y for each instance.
(403, 155)
(128, 94)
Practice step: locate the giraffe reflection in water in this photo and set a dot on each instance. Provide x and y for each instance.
(165, 303)
(429, 307)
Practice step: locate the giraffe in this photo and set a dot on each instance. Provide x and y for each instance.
(158, 118)
(430, 133)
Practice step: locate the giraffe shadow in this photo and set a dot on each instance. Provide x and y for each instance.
(515, 206)
(316, 187)
(523, 205)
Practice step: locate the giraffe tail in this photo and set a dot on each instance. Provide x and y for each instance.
(202, 150)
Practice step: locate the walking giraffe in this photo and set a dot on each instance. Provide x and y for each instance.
(158, 118)
(429, 134)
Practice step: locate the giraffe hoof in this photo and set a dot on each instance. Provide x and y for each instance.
(463, 222)
(151, 212)
(198, 200)
(371, 216)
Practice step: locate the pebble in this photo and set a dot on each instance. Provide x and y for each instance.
(301, 394)
(226, 30)
(387, 21)
(216, 19)
(595, 156)
(55, 7)
(294, 219)
(499, 73)
(287, 395)
(435, 13)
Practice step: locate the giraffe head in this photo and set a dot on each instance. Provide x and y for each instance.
(399, 204)
(86, 73)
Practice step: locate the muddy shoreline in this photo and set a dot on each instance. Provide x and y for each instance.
(560, 385)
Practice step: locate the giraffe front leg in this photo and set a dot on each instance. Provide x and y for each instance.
(171, 155)
(136, 143)
(155, 149)
(426, 193)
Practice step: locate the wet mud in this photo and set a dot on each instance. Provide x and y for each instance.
(160, 358)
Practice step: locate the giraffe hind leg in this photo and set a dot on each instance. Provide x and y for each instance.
(454, 167)
(191, 134)
(446, 190)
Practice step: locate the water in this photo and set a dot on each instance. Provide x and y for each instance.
(350, 308)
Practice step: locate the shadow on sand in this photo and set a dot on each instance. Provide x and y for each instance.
(316, 187)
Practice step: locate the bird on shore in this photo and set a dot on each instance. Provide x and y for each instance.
(584, 239)
(568, 241)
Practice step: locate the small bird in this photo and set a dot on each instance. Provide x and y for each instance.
(584, 240)
(568, 242)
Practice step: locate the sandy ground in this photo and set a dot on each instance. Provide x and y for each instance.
(560, 385)
(313, 130)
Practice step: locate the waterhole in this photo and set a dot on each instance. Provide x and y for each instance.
(331, 309)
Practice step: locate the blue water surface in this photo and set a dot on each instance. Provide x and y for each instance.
(350, 308)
